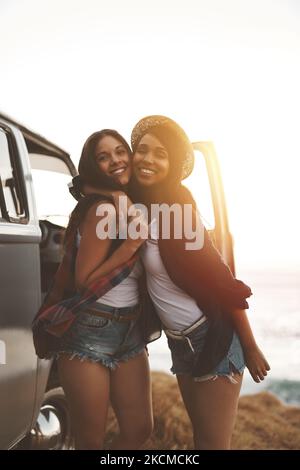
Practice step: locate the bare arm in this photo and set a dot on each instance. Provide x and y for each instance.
(121, 255)
(92, 261)
(255, 360)
(88, 189)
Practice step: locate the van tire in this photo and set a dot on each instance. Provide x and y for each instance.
(52, 430)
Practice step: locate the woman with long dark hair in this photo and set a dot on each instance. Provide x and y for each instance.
(90, 319)
(199, 302)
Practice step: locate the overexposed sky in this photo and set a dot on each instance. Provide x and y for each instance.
(227, 71)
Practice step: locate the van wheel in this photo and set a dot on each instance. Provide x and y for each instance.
(53, 427)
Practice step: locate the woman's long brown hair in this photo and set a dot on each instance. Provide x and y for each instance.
(91, 174)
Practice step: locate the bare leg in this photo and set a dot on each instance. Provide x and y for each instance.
(132, 403)
(86, 385)
(212, 408)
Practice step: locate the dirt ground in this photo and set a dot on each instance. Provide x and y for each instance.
(263, 422)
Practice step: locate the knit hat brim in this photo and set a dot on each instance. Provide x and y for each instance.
(148, 123)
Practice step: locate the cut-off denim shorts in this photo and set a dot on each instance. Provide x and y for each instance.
(185, 350)
(103, 340)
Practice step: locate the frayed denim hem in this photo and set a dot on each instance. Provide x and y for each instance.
(111, 363)
(214, 376)
(132, 354)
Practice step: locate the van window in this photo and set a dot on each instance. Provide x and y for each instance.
(12, 205)
(50, 177)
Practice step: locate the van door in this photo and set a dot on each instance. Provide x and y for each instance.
(205, 183)
(19, 287)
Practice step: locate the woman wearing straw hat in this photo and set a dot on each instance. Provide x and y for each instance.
(198, 300)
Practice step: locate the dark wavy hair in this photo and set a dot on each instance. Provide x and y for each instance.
(170, 190)
(90, 173)
(88, 168)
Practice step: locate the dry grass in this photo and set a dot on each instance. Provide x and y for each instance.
(263, 421)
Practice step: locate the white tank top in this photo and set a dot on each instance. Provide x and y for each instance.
(125, 294)
(176, 309)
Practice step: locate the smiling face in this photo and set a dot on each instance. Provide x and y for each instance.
(150, 161)
(113, 159)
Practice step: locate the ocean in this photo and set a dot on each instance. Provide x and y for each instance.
(274, 315)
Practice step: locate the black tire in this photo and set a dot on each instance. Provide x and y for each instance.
(53, 427)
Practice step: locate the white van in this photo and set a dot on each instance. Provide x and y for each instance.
(34, 209)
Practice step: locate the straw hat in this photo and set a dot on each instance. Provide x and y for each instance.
(150, 123)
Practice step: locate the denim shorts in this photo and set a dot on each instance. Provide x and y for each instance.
(103, 340)
(184, 354)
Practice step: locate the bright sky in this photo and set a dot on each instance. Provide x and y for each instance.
(227, 71)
